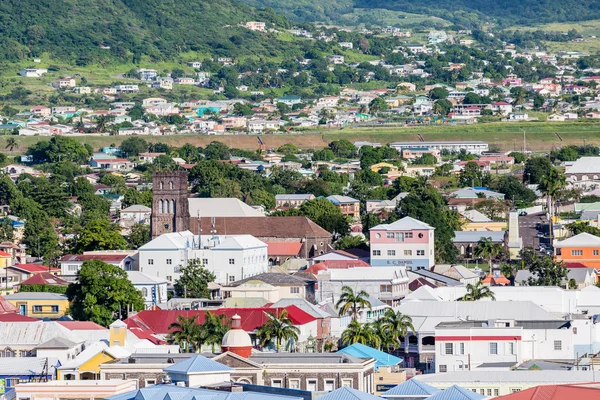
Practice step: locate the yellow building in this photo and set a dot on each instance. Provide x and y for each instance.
(5, 259)
(379, 166)
(87, 364)
(40, 304)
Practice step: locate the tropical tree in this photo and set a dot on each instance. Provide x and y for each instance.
(185, 332)
(477, 292)
(488, 250)
(551, 183)
(351, 302)
(102, 122)
(359, 333)
(214, 328)
(382, 335)
(11, 143)
(278, 327)
(398, 325)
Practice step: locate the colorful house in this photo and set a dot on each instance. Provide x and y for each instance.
(40, 304)
(582, 249)
(406, 242)
(5, 259)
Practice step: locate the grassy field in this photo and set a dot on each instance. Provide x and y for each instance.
(381, 17)
(540, 136)
(589, 29)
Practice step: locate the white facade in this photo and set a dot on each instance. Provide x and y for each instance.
(469, 147)
(154, 290)
(466, 345)
(230, 258)
(389, 285)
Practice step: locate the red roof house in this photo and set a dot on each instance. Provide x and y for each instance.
(584, 391)
(44, 278)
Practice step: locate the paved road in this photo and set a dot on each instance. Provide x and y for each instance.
(532, 225)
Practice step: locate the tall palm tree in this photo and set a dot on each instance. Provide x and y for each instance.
(488, 250)
(11, 143)
(102, 121)
(352, 302)
(185, 332)
(383, 334)
(214, 328)
(279, 327)
(550, 185)
(477, 292)
(360, 333)
(398, 325)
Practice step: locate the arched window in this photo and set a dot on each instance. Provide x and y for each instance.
(161, 185)
(144, 292)
(161, 208)
(170, 184)
(172, 206)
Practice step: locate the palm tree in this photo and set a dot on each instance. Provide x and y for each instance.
(488, 250)
(359, 333)
(214, 328)
(550, 185)
(382, 333)
(398, 325)
(102, 121)
(185, 333)
(477, 292)
(11, 143)
(351, 302)
(280, 327)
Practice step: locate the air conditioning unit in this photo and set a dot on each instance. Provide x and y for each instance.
(182, 384)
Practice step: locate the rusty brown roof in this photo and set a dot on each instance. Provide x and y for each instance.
(280, 227)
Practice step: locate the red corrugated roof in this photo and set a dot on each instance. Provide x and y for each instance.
(336, 264)
(14, 317)
(6, 307)
(45, 278)
(284, 248)
(86, 257)
(556, 392)
(34, 268)
(81, 326)
(158, 321)
(4, 254)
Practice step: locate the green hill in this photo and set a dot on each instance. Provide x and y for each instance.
(75, 30)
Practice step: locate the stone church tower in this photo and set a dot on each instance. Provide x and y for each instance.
(170, 209)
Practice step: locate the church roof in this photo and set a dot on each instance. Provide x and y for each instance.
(280, 227)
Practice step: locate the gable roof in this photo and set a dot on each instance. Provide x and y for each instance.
(456, 392)
(346, 393)
(6, 307)
(556, 392)
(220, 207)
(279, 227)
(382, 359)
(284, 248)
(44, 278)
(87, 257)
(582, 240)
(196, 364)
(33, 268)
(411, 387)
(404, 224)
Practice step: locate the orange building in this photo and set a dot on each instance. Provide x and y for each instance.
(581, 249)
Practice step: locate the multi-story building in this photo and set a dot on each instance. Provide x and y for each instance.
(406, 242)
(230, 258)
(347, 205)
(474, 147)
(579, 249)
(71, 263)
(292, 200)
(465, 345)
(388, 285)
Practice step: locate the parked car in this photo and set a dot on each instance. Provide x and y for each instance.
(523, 214)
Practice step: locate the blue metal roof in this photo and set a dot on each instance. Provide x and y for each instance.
(197, 363)
(172, 392)
(346, 393)
(411, 387)
(456, 393)
(361, 351)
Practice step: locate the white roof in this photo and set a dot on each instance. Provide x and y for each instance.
(137, 208)
(221, 207)
(585, 165)
(187, 240)
(423, 293)
(404, 224)
(365, 274)
(475, 216)
(478, 310)
(582, 240)
(480, 377)
(139, 278)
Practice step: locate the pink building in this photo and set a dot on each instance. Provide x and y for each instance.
(406, 242)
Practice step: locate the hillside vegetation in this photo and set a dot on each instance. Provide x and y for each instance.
(75, 30)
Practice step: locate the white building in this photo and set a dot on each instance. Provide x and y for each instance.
(474, 147)
(466, 345)
(71, 263)
(389, 285)
(230, 258)
(153, 289)
(32, 72)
